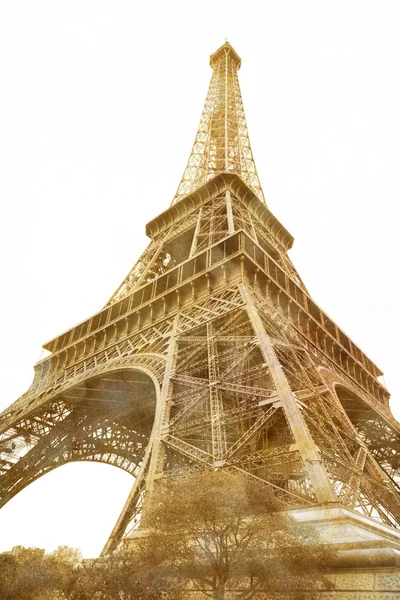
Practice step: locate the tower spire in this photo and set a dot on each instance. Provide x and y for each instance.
(222, 141)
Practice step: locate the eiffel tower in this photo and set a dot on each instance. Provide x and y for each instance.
(212, 354)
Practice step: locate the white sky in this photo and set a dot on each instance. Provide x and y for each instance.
(99, 106)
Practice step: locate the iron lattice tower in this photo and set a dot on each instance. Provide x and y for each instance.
(211, 354)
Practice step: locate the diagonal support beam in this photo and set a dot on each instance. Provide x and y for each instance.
(129, 508)
(317, 474)
(192, 452)
(216, 402)
(163, 412)
(262, 421)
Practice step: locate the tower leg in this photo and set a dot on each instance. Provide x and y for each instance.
(162, 415)
(317, 474)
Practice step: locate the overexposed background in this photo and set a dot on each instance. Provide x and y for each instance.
(99, 106)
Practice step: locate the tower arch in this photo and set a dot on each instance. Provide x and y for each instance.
(106, 418)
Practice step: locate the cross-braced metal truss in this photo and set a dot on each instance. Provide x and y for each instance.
(212, 355)
(245, 395)
(222, 140)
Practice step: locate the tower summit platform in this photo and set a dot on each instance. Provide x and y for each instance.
(225, 54)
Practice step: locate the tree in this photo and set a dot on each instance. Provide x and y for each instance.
(8, 573)
(216, 533)
(64, 564)
(122, 576)
(223, 533)
(30, 574)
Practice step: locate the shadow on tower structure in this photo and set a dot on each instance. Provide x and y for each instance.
(212, 354)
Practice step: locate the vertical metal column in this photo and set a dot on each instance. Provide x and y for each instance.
(216, 406)
(162, 415)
